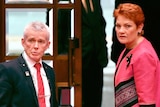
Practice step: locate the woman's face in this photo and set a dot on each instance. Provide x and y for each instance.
(127, 31)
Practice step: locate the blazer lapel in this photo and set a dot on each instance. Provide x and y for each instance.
(48, 76)
(26, 71)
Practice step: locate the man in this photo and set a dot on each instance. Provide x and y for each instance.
(19, 86)
(94, 52)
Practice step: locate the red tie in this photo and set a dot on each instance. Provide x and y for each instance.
(41, 96)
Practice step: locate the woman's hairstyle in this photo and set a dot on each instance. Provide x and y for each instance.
(132, 11)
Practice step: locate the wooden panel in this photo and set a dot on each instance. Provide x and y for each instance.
(61, 68)
(2, 31)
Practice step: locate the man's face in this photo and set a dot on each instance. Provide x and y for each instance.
(35, 44)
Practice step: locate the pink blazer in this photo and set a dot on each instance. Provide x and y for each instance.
(143, 67)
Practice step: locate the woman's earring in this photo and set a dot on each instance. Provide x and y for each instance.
(141, 33)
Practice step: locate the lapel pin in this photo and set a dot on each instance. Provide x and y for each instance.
(128, 59)
(27, 73)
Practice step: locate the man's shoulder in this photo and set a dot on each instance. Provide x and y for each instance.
(46, 65)
(12, 62)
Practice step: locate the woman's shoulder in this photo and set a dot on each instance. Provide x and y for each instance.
(145, 50)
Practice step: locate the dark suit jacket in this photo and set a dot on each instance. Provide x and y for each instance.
(17, 88)
(94, 36)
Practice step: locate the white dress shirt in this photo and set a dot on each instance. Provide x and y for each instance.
(33, 71)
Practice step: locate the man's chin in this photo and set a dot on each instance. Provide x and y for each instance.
(35, 58)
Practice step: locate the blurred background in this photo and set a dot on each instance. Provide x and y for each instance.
(108, 90)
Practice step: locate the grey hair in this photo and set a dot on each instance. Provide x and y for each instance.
(36, 26)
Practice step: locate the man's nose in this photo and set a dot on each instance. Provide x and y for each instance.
(36, 44)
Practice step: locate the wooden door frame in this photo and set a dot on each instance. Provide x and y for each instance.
(78, 54)
(2, 29)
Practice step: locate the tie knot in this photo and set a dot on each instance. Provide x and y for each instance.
(37, 66)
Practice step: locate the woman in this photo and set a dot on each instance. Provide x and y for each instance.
(137, 66)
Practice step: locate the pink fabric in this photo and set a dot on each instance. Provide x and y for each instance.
(158, 87)
(144, 68)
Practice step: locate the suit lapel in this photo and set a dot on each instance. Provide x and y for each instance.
(26, 71)
(48, 76)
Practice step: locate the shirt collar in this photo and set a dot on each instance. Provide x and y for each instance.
(29, 61)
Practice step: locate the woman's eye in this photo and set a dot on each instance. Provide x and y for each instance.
(127, 26)
(118, 26)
